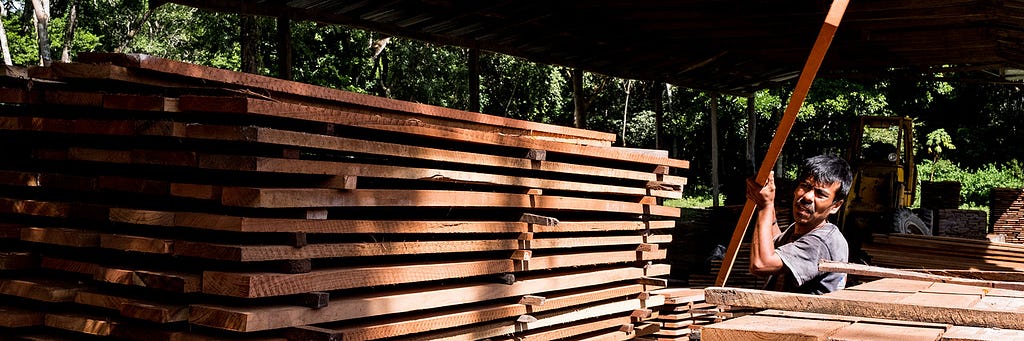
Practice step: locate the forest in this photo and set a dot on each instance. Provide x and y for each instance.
(966, 131)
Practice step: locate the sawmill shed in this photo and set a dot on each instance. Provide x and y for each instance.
(152, 199)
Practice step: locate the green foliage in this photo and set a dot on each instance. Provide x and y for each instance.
(976, 185)
(937, 141)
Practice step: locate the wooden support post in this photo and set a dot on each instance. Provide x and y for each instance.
(313, 333)
(531, 218)
(297, 239)
(537, 154)
(315, 299)
(828, 30)
(522, 255)
(659, 114)
(346, 182)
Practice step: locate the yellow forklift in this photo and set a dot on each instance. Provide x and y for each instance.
(881, 156)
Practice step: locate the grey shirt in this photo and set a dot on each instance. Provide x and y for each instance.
(801, 258)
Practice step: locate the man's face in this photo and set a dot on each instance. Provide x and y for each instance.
(813, 202)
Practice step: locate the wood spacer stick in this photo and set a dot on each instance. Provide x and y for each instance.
(803, 84)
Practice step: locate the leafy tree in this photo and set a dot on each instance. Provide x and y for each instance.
(938, 141)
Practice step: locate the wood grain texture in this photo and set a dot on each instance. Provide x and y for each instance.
(270, 284)
(273, 317)
(304, 197)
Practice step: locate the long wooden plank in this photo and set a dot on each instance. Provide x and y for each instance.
(249, 224)
(15, 317)
(306, 90)
(273, 317)
(440, 319)
(251, 253)
(875, 271)
(161, 280)
(276, 165)
(39, 289)
(253, 285)
(307, 140)
(135, 308)
(238, 105)
(305, 197)
(935, 311)
(803, 84)
(544, 320)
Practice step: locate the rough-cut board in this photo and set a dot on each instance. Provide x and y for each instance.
(312, 197)
(412, 127)
(205, 74)
(161, 280)
(307, 140)
(135, 308)
(784, 325)
(251, 253)
(934, 310)
(15, 317)
(875, 271)
(249, 224)
(543, 320)
(435, 320)
(271, 284)
(272, 317)
(39, 289)
(261, 164)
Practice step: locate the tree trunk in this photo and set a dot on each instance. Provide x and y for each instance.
(133, 30)
(248, 41)
(69, 34)
(579, 112)
(714, 150)
(659, 114)
(474, 80)
(3, 38)
(751, 135)
(41, 8)
(284, 47)
(625, 111)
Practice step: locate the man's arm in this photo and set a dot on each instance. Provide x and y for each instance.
(763, 259)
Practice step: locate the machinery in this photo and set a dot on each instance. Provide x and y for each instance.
(881, 157)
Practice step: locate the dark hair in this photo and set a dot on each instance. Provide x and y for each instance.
(828, 169)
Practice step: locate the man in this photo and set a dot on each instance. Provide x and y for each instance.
(791, 257)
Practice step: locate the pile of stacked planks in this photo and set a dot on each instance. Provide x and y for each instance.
(885, 309)
(144, 198)
(905, 251)
(685, 312)
(1007, 213)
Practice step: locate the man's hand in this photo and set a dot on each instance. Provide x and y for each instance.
(762, 195)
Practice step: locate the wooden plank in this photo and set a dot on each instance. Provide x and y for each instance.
(875, 271)
(246, 319)
(250, 224)
(15, 260)
(39, 289)
(136, 243)
(935, 312)
(756, 327)
(60, 236)
(250, 253)
(261, 164)
(440, 319)
(803, 84)
(312, 197)
(306, 90)
(574, 331)
(545, 320)
(270, 284)
(80, 324)
(306, 140)
(260, 107)
(161, 280)
(135, 308)
(14, 317)
(961, 333)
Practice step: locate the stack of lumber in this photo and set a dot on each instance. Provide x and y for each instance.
(1006, 207)
(685, 312)
(885, 309)
(969, 224)
(143, 198)
(907, 251)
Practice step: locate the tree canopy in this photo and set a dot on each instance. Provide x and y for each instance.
(984, 121)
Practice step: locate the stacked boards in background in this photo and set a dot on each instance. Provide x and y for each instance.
(144, 198)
